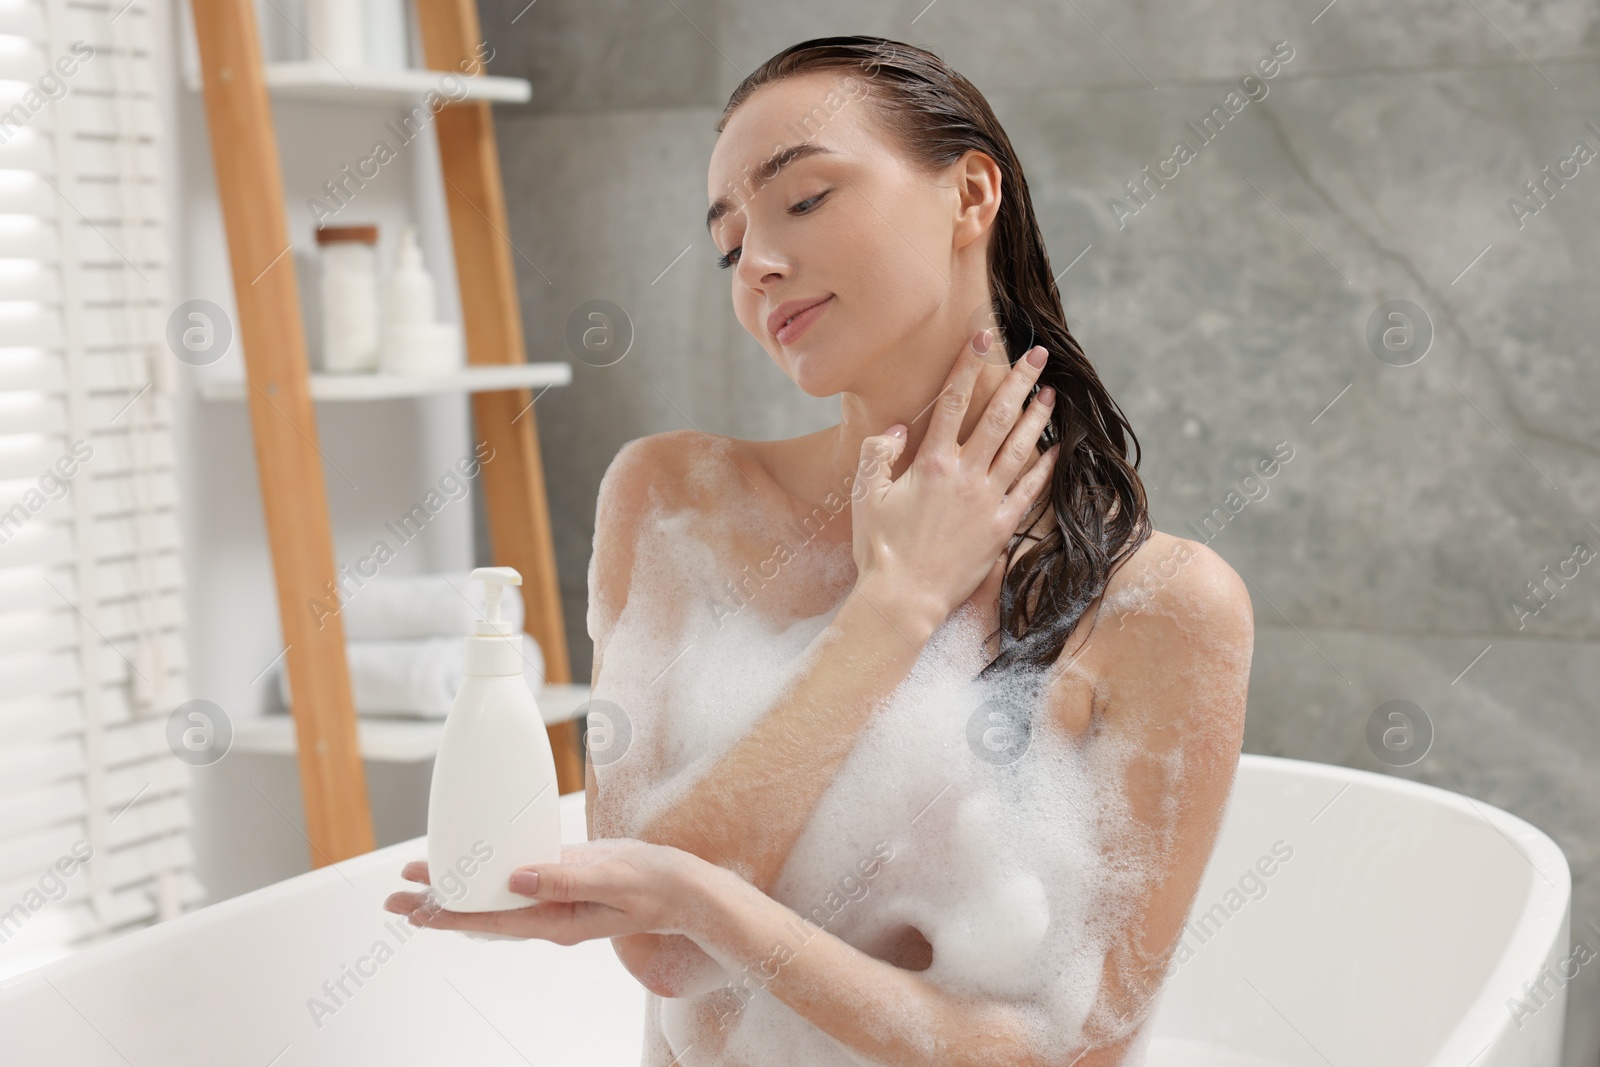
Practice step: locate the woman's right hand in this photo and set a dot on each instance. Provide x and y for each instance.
(927, 539)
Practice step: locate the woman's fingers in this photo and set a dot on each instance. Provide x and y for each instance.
(877, 459)
(549, 922)
(563, 924)
(580, 852)
(950, 406)
(552, 922)
(569, 882)
(1030, 487)
(404, 902)
(1022, 444)
(597, 890)
(1000, 416)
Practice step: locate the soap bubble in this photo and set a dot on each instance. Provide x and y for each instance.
(998, 733)
(1000, 929)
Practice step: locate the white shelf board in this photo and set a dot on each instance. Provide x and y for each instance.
(480, 378)
(394, 739)
(318, 80)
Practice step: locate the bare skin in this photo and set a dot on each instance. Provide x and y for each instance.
(901, 257)
(879, 627)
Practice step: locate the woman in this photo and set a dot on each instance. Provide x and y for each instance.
(877, 783)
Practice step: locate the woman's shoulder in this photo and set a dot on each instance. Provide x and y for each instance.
(714, 490)
(677, 471)
(1177, 567)
(1172, 611)
(649, 485)
(653, 468)
(719, 490)
(1172, 591)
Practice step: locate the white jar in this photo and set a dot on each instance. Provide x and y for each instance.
(335, 33)
(385, 28)
(349, 298)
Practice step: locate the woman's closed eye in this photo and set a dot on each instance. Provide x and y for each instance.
(731, 257)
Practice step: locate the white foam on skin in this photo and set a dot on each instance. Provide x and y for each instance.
(1003, 868)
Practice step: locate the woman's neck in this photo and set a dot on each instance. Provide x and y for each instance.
(911, 404)
(826, 462)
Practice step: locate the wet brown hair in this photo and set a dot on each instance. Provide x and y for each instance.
(936, 116)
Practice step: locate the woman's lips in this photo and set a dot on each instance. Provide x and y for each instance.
(790, 332)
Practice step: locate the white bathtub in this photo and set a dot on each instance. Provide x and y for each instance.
(1394, 934)
(1406, 919)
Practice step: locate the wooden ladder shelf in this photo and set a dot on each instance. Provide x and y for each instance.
(250, 186)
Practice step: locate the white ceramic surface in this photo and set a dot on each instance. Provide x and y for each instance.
(1405, 920)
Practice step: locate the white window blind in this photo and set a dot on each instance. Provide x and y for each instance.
(91, 649)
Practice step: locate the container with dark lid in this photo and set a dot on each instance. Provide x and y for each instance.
(349, 298)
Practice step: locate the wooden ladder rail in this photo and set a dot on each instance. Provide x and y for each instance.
(244, 151)
(283, 419)
(513, 482)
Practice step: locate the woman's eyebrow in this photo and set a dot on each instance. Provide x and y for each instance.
(770, 168)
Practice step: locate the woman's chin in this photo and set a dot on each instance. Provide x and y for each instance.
(812, 374)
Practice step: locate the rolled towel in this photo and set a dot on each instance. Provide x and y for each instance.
(391, 607)
(417, 676)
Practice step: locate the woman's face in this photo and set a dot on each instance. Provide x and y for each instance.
(847, 221)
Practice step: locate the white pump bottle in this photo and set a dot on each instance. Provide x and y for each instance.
(494, 804)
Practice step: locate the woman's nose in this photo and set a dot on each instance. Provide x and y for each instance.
(758, 266)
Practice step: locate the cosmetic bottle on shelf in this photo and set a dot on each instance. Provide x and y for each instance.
(413, 342)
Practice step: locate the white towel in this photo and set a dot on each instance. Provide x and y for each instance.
(389, 607)
(417, 676)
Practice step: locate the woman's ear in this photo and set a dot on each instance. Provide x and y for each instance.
(977, 183)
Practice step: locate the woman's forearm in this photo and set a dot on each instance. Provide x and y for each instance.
(882, 1012)
(748, 810)
(774, 777)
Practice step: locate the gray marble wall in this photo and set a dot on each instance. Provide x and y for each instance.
(1229, 313)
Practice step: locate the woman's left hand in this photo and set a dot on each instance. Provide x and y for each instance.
(607, 888)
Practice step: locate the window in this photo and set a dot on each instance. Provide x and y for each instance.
(94, 812)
